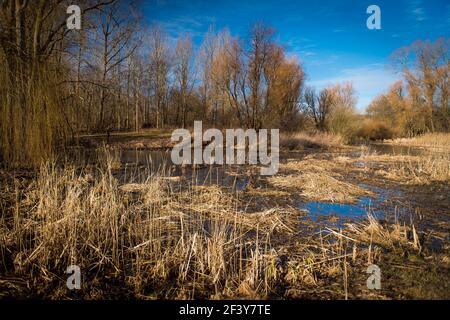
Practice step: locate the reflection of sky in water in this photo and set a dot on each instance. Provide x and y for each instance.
(206, 175)
(380, 206)
(150, 161)
(358, 210)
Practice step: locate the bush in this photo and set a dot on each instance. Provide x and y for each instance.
(302, 140)
(374, 130)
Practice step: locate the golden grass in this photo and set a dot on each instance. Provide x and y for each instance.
(302, 140)
(316, 181)
(433, 140)
(320, 187)
(372, 232)
(426, 168)
(333, 254)
(185, 243)
(309, 164)
(155, 240)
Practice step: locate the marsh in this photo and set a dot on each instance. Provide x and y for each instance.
(160, 230)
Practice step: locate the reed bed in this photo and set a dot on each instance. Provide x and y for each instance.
(158, 238)
(317, 181)
(320, 265)
(428, 167)
(433, 140)
(156, 241)
(302, 140)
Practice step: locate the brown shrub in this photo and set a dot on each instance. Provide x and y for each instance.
(374, 130)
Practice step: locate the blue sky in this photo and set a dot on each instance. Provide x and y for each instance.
(330, 38)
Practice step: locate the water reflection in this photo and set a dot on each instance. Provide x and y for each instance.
(358, 210)
(138, 165)
(383, 206)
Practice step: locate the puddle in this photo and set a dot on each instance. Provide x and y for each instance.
(138, 165)
(382, 206)
(358, 210)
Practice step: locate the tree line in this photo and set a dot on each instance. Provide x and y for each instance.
(116, 74)
(419, 102)
(119, 74)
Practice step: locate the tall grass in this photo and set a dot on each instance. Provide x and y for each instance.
(155, 240)
(302, 140)
(159, 239)
(433, 140)
(431, 165)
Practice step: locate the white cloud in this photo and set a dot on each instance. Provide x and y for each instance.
(416, 11)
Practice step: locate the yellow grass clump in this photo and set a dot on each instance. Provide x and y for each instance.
(316, 181)
(433, 140)
(302, 140)
(182, 244)
(421, 169)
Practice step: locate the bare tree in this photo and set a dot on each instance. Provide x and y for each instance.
(183, 74)
(260, 47)
(117, 43)
(318, 106)
(159, 72)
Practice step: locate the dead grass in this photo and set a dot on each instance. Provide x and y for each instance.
(423, 170)
(180, 243)
(153, 240)
(320, 187)
(316, 181)
(429, 167)
(389, 236)
(325, 261)
(433, 140)
(302, 140)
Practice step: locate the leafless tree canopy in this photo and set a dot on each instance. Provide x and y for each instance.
(116, 74)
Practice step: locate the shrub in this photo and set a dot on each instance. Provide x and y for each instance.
(374, 130)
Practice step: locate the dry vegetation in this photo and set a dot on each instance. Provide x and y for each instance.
(430, 164)
(165, 238)
(304, 140)
(425, 169)
(316, 181)
(440, 141)
(149, 240)
(181, 244)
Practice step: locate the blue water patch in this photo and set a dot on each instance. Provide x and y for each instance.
(357, 210)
